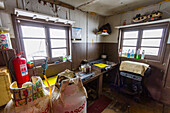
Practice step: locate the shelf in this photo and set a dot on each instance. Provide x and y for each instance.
(144, 23)
(35, 15)
(102, 34)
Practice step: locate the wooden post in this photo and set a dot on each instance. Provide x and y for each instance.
(100, 85)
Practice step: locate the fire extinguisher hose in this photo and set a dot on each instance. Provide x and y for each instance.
(11, 68)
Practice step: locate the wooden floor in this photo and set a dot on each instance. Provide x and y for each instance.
(146, 105)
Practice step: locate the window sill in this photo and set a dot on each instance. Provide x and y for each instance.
(154, 63)
(53, 69)
(50, 64)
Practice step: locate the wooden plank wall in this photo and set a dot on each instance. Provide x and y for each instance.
(80, 52)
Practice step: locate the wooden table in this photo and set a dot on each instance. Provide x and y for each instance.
(98, 75)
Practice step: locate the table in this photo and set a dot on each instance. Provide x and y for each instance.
(98, 75)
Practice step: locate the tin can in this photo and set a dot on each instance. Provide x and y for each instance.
(5, 42)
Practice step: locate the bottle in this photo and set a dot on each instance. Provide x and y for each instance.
(138, 56)
(143, 54)
(69, 58)
(128, 54)
(132, 54)
(64, 58)
(120, 53)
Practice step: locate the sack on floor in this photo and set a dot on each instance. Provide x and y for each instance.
(28, 99)
(71, 98)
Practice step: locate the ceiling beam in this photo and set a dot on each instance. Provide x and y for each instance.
(87, 3)
(56, 2)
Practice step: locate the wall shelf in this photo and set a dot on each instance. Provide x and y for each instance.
(102, 34)
(144, 23)
(35, 15)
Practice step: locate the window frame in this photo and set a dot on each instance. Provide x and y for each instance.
(140, 29)
(19, 21)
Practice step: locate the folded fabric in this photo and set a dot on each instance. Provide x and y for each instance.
(134, 67)
(101, 65)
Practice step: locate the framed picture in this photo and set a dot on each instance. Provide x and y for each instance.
(76, 33)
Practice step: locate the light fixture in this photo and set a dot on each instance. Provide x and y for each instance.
(34, 15)
(2, 5)
(18, 21)
(56, 20)
(17, 14)
(47, 19)
(66, 22)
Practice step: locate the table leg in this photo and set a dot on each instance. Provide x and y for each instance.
(100, 84)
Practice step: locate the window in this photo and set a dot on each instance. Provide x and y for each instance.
(43, 40)
(34, 41)
(151, 39)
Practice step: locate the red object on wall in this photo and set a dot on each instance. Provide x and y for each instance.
(20, 68)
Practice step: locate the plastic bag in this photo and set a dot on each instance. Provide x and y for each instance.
(31, 99)
(71, 98)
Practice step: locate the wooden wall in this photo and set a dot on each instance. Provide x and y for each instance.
(78, 54)
(111, 50)
(165, 93)
(95, 50)
(81, 51)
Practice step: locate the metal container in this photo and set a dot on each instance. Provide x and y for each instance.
(86, 68)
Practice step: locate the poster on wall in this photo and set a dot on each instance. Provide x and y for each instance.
(76, 33)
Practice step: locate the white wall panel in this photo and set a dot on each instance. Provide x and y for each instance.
(119, 19)
(78, 16)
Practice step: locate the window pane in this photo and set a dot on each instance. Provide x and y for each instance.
(151, 51)
(33, 32)
(34, 47)
(131, 34)
(151, 42)
(57, 33)
(130, 42)
(152, 33)
(125, 49)
(58, 52)
(58, 43)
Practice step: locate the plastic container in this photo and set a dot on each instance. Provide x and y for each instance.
(132, 55)
(120, 52)
(128, 54)
(143, 54)
(64, 58)
(5, 42)
(138, 56)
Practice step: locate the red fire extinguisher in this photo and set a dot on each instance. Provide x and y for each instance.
(20, 68)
